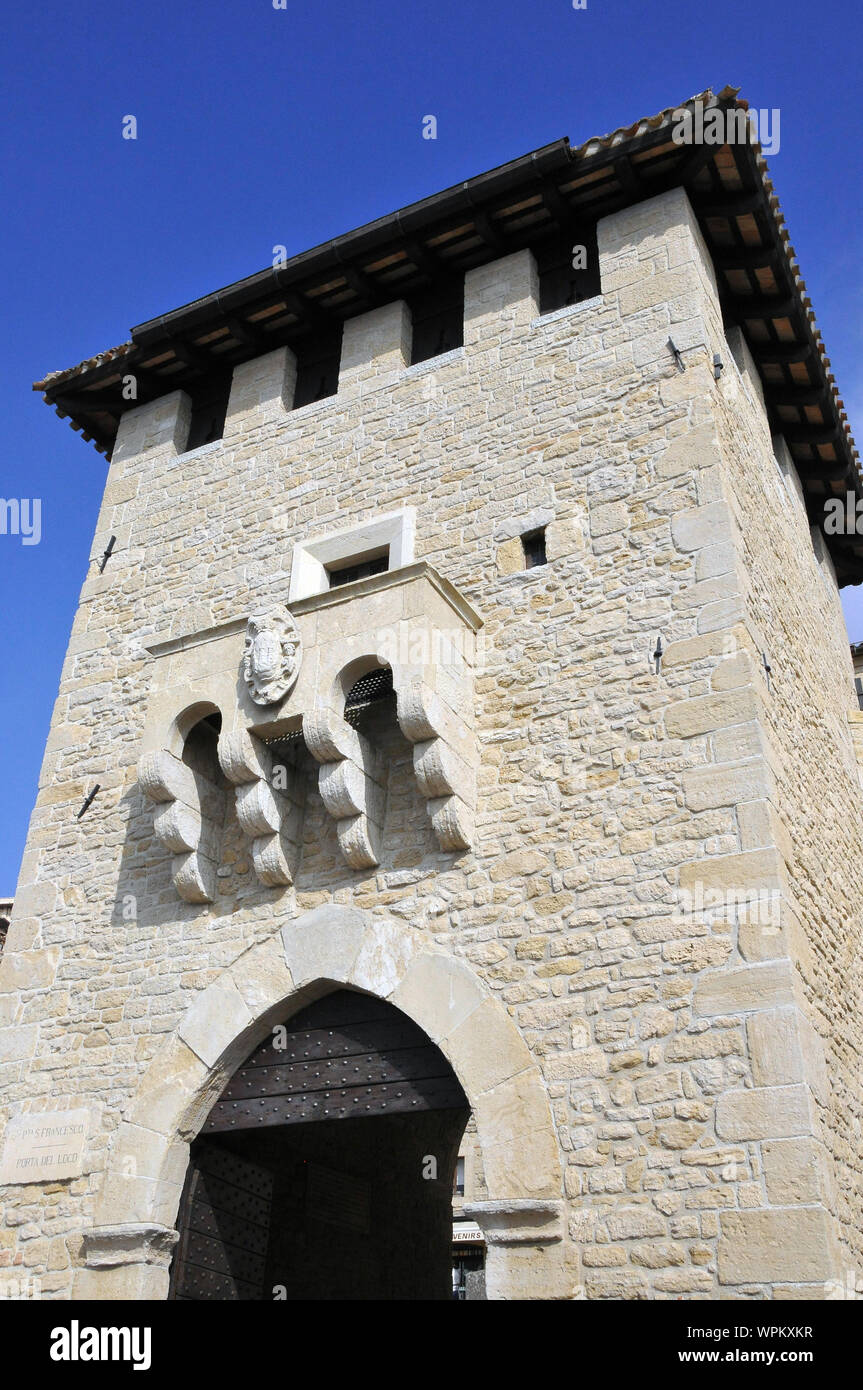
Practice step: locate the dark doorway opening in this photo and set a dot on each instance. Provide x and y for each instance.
(325, 1169)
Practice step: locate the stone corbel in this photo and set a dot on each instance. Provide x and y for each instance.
(105, 1247)
(351, 784)
(444, 762)
(185, 822)
(272, 818)
(518, 1220)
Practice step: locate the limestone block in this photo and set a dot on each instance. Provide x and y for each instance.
(707, 713)
(609, 518)
(796, 1172)
(324, 944)
(789, 1244)
(701, 527)
(513, 1108)
(375, 347)
(28, 970)
(755, 987)
(509, 556)
(726, 784)
(784, 1048)
(261, 391)
(133, 1199)
(767, 1112)
(500, 296)
(131, 1283)
(218, 1015)
(384, 956)
(489, 1048)
(262, 977)
(438, 993)
(527, 1167)
(34, 900)
(175, 1075)
(18, 1044)
(161, 425)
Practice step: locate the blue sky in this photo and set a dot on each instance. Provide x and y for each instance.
(259, 127)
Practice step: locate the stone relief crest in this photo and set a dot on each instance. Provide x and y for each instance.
(271, 656)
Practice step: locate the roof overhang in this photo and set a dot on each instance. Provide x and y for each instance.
(553, 189)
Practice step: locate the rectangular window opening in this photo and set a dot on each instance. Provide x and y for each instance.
(437, 319)
(361, 567)
(209, 409)
(318, 362)
(533, 547)
(458, 1178)
(568, 268)
(858, 686)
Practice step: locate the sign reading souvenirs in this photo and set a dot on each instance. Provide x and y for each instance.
(271, 656)
(44, 1147)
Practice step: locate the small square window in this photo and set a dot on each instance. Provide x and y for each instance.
(359, 569)
(568, 269)
(533, 547)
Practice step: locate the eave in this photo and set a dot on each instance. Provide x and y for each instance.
(555, 188)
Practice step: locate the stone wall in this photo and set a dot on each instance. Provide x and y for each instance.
(686, 1093)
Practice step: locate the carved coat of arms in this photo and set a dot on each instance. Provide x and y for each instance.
(271, 656)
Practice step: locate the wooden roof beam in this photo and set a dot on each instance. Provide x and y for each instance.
(780, 354)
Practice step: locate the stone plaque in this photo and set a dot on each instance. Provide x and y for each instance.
(44, 1147)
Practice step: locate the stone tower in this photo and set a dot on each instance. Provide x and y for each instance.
(474, 723)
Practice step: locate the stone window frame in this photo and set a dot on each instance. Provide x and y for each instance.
(311, 557)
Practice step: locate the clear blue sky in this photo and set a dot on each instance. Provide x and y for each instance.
(259, 126)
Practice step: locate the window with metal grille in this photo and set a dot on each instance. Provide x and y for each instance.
(209, 408)
(359, 569)
(318, 361)
(368, 690)
(437, 318)
(560, 282)
(533, 547)
(4, 927)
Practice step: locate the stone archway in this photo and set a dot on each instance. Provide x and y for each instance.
(127, 1252)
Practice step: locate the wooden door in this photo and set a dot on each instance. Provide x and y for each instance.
(225, 1228)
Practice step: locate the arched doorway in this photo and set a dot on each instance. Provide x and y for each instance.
(325, 1168)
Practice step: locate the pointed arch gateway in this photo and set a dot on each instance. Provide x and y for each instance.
(331, 952)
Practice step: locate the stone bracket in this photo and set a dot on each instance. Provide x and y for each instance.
(105, 1247)
(351, 784)
(444, 762)
(271, 818)
(518, 1220)
(184, 822)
